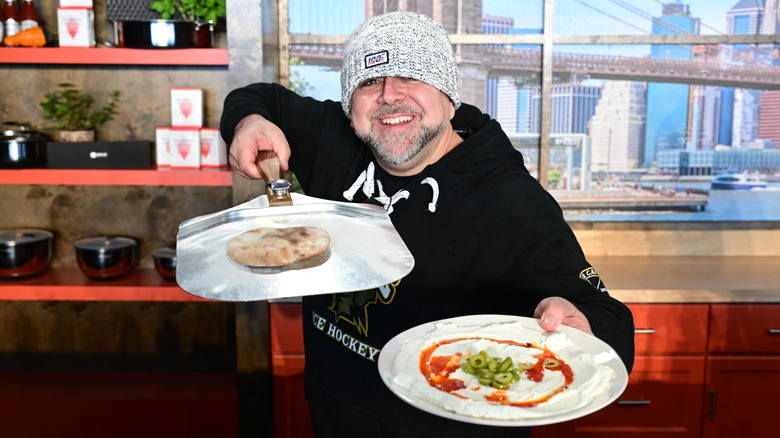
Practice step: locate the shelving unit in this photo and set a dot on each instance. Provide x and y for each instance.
(70, 284)
(148, 177)
(140, 284)
(113, 56)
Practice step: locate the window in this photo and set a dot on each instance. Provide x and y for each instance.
(647, 98)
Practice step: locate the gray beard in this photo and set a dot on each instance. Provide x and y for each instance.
(384, 150)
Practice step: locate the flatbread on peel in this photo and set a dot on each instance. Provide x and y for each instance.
(277, 246)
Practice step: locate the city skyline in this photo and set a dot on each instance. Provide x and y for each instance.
(331, 17)
(701, 118)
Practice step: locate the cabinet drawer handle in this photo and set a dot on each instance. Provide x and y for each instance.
(645, 331)
(714, 393)
(774, 331)
(633, 402)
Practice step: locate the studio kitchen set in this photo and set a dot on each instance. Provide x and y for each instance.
(102, 341)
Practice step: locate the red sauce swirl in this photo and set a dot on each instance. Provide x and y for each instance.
(437, 370)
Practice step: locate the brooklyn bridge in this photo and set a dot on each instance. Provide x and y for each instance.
(527, 63)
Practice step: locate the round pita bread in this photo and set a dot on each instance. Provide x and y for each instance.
(277, 246)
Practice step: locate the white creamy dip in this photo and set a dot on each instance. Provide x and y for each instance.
(590, 379)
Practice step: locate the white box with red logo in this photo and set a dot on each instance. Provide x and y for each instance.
(187, 107)
(162, 146)
(76, 3)
(76, 27)
(184, 145)
(213, 151)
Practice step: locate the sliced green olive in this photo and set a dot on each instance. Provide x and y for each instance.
(497, 385)
(503, 378)
(484, 372)
(478, 361)
(524, 366)
(466, 367)
(486, 380)
(516, 376)
(506, 365)
(550, 363)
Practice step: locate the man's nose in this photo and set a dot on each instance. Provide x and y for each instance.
(392, 90)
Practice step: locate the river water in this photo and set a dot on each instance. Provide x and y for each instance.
(723, 205)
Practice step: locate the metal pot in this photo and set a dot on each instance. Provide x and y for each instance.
(105, 257)
(21, 147)
(24, 252)
(165, 262)
(153, 34)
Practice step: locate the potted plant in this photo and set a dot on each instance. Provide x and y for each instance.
(202, 14)
(72, 113)
(190, 10)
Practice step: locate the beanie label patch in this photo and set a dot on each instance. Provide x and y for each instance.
(377, 59)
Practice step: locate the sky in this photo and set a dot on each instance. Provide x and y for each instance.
(339, 17)
(573, 17)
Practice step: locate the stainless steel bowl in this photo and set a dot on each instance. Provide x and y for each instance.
(105, 257)
(24, 252)
(22, 149)
(165, 262)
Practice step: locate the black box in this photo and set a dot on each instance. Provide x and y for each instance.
(100, 155)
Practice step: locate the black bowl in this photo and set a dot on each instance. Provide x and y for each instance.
(24, 252)
(165, 262)
(105, 257)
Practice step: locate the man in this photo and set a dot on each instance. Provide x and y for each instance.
(486, 237)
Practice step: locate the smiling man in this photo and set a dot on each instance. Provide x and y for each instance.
(405, 122)
(486, 237)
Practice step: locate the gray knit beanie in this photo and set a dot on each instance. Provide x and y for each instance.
(401, 44)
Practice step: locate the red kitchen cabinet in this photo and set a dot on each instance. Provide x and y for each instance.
(291, 411)
(744, 329)
(664, 393)
(743, 371)
(670, 329)
(741, 396)
(663, 398)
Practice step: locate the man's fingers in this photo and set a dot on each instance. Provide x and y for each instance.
(554, 311)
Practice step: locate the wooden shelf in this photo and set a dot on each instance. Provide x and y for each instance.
(112, 56)
(142, 177)
(70, 284)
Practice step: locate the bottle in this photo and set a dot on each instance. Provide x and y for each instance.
(11, 20)
(2, 26)
(29, 15)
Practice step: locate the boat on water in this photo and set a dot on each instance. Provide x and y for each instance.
(737, 181)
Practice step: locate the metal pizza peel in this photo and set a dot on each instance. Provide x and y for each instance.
(365, 251)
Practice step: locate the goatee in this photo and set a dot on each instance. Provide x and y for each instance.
(399, 147)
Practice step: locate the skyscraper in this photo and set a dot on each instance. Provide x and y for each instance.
(769, 123)
(746, 18)
(506, 97)
(770, 25)
(668, 104)
(705, 117)
(617, 128)
(572, 107)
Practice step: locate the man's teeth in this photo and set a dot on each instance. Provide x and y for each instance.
(396, 120)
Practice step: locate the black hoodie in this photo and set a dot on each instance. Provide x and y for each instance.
(485, 236)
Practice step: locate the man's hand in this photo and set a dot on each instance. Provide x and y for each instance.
(554, 311)
(253, 134)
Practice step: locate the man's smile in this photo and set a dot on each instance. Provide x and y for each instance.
(396, 120)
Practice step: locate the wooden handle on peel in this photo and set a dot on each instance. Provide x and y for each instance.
(271, 170)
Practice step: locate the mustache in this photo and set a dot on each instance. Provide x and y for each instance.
(392, 109)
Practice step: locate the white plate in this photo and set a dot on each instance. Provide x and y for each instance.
(601, 352)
